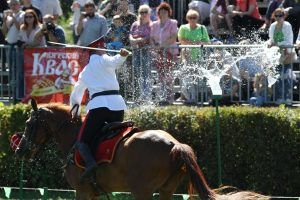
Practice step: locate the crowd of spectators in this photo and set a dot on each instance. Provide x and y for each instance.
(140, 24)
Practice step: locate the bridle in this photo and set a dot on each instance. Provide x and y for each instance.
(34, 123)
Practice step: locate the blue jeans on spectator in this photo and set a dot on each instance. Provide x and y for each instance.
(283, 85)
(142, 73)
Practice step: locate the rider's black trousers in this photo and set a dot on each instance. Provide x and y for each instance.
(95, 120)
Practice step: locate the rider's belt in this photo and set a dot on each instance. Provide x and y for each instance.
(103, 93)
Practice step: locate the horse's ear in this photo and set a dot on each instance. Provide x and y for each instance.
(33, 104)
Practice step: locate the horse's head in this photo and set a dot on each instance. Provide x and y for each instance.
(36, 131)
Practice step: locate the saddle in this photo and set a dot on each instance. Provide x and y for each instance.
(105, 144)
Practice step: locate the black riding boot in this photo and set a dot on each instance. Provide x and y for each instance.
(90, 163)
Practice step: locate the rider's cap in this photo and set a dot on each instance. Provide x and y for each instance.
(99, 43)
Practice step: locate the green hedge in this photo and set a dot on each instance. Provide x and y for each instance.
(260, 146)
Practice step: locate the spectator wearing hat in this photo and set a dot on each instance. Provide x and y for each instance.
(116, 34)
(91, 25)
(28, 5)
(106, 105)
(50, 32)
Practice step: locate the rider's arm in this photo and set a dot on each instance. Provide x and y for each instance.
(77, 93)
(117, 60)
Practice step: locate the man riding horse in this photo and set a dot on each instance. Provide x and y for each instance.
(105, 105)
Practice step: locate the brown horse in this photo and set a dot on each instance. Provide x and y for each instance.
(144, 163)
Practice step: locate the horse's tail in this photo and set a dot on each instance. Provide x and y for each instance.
(231, 193)
(184, 157)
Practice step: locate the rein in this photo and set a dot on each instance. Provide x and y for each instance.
(45, 125)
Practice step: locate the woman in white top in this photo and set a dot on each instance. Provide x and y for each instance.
(281, 33)
(28, 30)
(106, 104)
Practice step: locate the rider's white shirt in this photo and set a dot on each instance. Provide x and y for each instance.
(97, 76)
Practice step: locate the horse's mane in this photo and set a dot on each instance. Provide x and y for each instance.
(62, 110)
(57, 107)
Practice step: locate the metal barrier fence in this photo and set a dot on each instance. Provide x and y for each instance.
(9, 73)
(141, 73)
(247, 73)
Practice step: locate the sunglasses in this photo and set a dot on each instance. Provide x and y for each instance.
(143, 12)
(279, 15)
(28, 17)
(192, 17)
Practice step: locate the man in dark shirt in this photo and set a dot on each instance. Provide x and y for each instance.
(28, 5)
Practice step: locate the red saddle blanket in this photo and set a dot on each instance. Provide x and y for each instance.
(105, 150)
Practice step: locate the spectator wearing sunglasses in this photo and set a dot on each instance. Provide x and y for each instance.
(281, 33)
(139, 39)
(191, 34)
(29, 29)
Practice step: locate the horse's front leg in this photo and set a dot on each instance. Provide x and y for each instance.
(84, 190)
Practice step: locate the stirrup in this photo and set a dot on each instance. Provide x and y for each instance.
(89, 172)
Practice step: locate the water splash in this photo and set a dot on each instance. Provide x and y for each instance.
(228, 62)
(214, 64)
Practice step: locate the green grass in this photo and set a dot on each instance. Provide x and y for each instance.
(65, 24)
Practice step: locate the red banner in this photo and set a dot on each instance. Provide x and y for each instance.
(51, 73)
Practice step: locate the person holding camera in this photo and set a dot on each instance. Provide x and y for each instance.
(50, 31)
(91, 25)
